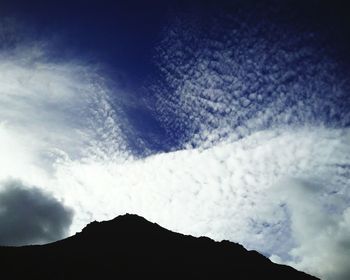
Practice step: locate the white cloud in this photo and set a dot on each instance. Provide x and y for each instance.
(53, 112)
(321, 227)
(272, 191)
(288, 97)
(213, 88)
(63, 106)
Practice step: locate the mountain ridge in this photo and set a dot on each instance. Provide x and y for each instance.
(131, 247)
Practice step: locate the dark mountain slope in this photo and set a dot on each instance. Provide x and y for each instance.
(130, 247)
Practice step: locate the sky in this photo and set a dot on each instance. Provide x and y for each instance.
(226, 119)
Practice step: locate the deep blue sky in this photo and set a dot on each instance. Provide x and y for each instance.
(123, 33)
(124, 36)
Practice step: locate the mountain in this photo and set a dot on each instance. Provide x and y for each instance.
(130, 247)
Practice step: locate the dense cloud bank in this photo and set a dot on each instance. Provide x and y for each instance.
(30, 216)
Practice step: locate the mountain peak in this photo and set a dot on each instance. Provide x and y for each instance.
(130, 247)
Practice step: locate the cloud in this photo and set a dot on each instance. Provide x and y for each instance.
(321, 229)
(210, 88)
(234, 82)
(30, 216)
(52, 111)
(272, 191)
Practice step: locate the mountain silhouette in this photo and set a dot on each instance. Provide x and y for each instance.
(130, 247)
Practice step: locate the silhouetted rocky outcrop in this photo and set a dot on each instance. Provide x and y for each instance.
(130, 247)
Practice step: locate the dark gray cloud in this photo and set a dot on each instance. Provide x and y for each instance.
(30, 216)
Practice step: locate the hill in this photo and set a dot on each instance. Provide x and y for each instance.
(130, 247)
